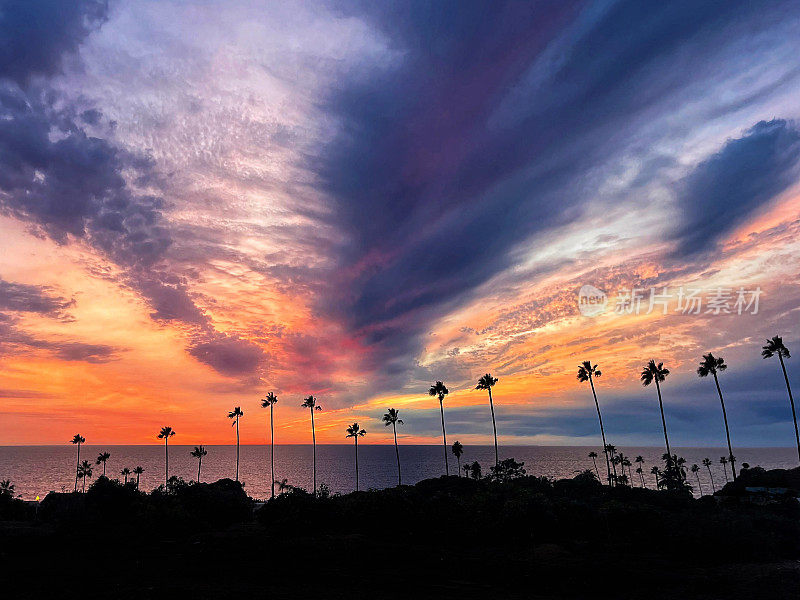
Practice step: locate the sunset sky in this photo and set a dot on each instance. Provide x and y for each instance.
(204, 201)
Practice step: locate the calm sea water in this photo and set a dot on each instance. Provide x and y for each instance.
(36, 470)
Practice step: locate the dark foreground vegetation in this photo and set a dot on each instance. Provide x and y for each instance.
(511, 537)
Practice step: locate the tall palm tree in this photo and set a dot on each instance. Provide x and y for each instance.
(696, 470)
(707, 465)
(611, 452)
(587, 372)
(101, 459)
(723, 460)
(138, 471)
(655, 473)
(270, 401)
(657, 373)
(593, 456)
(773, 347)
(439, 390)
(311, 404)
(487, 383)
(199, 452)
(458, 450)
(391, 418)
(77, 439)
(84, 471)
(236, 414)
(626, 462)
(125, 472)
(712, 365)
(640, 461)
(166, 433)
(355, 432)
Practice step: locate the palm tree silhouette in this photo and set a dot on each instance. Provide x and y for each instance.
(487, 383)
(773, 347)
(657, 373)
(627, 463)
(391, 418)
(467, 467)
(270, 401)
(640, 470)
(355, 432)
(125, 472)
(77, 439)
(84, 471)
(696, 470)
(655, 472)
(7, 488)
(166, 433)
(707, 465)
(611, 452)
(138, 471)
(458, 450)
(199, 452)
(311, 404)
(593, 456)
(724, 462)
(102, 458)
(439, 390)
(712, 365)
(235, 414)
(587, 372)
(283, 485)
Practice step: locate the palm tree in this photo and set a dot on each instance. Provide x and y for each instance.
(355, 432)
(138, 471)
(724, 462)
(235, 414)
(311, 404)
(165, 433)
(199, 452)
(657, 373)
(640, 461)
(587, 372)
(467, 468)
(125, 472)
(270, 401)
(458, 450)
(7, 488)
(77, 439)
(626, 462)
(487, 383)
(84, 471)
(773, 347)
(696, 470)
(391, 418)
(712, 364)
(707, 465)
(655, 472)
(283, 485)
(611, 451)
(102, 458)
(438, 389)
(593, 456)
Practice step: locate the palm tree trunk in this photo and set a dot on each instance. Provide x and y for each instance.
(237, 449)
(727, 432)
(166, 460)
(356, 439)
(77, 465)
(711, 476)
(314, 449)
(602, 431)
(272, 448)
(444, 439)
(494, 427)
(199, 464)
(458, 458)
(725, 470)
(700, 487)
(791, 401)
(397, 453)
(641, 476)
(104, 468)
(84, 484)
(663, 423)
(596, 470)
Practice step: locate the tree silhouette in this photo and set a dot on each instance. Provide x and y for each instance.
(391, 418)
(138, 471)
(639, 460)
(657, 373)
(458, 450)
(84, 471)
(270, 401)
(611, 452)
(78, 440)
(655, 471)
(625, 461)
(707, 465)
(7, 488)
(593, 456)
(439, 390)
(283, 485)
(101, 459)
(773, 347)
(165, 433)
(199, 452)
(355, 432)
(487, 382)
(713, 365)
(236, 414)
(696, 470)
(587, 372)
(724, 462)
(467, 467)
(311, 404)
(125, 472)
(475, 470)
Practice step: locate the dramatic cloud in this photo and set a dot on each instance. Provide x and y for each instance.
(30, 298)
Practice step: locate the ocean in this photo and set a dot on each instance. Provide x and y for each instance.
(36, 470)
